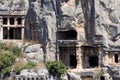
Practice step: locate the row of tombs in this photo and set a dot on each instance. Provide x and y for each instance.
(89, 56)
(76, 54)
(71, 46)
(68, 44)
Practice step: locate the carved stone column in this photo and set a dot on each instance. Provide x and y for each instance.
(79, 58)
(100, 53)
(1, 29)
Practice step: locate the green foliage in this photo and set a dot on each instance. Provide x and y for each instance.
(16, 51)
(100, 73)
(6, 70)
(30, 65)
(6, 61)
(2, 46)
(56, 68)
(20, 66)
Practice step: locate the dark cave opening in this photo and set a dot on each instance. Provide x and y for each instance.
(68, 56)
(12, 33)
(19, 21)
(67, 35)
(4, 21)
(102, 78)
(93, 61)
(73, 61)
(116, 58)
(12, 21)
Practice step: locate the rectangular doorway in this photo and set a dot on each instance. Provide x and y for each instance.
(12, 33)
(68, 56)
(15, 33)
(116, 58)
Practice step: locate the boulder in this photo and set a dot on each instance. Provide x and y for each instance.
(26, 72)
(33, 48)
(73, 76)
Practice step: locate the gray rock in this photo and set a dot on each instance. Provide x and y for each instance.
(114, 18)
(64, 77)
(107, 76)
(43, 71)
(27, 72)
(35, 56)
(14, 4)
(73, 76)
(33, 48)
(108, 14)
(31, 55)
(19, 45)
(21, 59)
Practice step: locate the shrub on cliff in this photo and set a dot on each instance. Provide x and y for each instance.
(21, 65)
(6, 61)
(16, 51)
(56, 68)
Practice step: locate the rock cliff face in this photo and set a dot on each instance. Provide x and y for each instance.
(98, 17)
(108, 21)
(49, 13)
(13, 5)
(91, 20)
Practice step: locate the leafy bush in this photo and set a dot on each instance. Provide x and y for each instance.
(100, 73)
(30, 65)
(16, 51)
(21, 65)
(6, 61)
(56, 68)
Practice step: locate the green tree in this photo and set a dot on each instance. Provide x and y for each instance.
(6, 61)
(56, 68)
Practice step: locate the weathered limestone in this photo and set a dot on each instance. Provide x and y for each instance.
(81, 33)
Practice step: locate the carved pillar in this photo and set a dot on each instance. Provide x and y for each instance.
(79, 57)
(8, 23)
(1, 28)
(8, 36)
(22, 34)
(100, 53)
(23, 20)
(57, 51)
(15, 21)
(106, 58)
(1, 33)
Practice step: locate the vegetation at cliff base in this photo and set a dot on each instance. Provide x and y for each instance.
(56, 68)
(21, 65)
(16, 51)
(6, 61)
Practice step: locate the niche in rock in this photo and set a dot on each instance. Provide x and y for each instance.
(102, 78)
(64, 1)
(116, 58)
(93, 61)
(67, 35)
(68, 56)
(73, 61)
